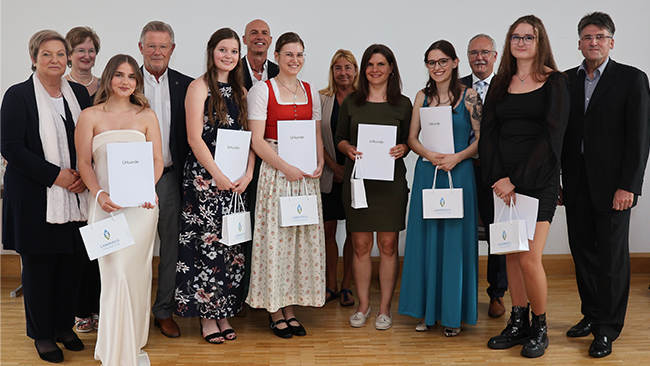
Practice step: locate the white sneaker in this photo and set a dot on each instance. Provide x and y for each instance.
(358, 319)
(383, 321)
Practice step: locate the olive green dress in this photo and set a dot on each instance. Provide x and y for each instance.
(386, 200)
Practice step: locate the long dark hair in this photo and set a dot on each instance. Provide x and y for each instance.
(431, 89)
(508, 66)
(235, 79)
(105, 92)
(394, 89)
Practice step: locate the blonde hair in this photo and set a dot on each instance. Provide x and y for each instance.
(41, 37)
(105, 93)
(332, 88)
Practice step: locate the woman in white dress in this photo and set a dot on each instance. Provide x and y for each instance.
(121, 114)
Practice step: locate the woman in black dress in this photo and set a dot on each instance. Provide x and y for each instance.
(525, 116)
(209, 273)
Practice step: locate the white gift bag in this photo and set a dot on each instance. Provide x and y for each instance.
(442, 203)
(508, 236)
(106, 236)
(298, 210)
(236, 225)
(358, 189)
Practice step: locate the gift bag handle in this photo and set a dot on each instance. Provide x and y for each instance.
(357, 166)
(95, 208)
(304, 182)
(435, 175)
(512, 208)
(239, 202)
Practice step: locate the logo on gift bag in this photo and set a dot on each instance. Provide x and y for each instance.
(504, 235)
(299, 209)
(239, 227)
(107, 235)
(442, 202)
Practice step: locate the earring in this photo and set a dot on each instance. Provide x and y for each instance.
(69, 63)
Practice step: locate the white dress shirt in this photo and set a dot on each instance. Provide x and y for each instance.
(157, 91)
(482, 91)
(265, 71)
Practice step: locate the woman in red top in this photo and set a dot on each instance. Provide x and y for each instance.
(288, 263)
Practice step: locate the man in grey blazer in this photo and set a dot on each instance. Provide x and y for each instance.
(603, 164)
(166, 88)
(482, 54)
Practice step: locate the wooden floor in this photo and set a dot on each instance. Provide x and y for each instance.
(331, 341)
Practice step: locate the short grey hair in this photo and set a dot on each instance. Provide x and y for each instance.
(483, 35)
(157, 26)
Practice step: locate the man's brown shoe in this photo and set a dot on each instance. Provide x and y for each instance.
(496, 309)
(168, 327)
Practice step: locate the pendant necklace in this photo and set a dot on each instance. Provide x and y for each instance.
(295, 97)
(522, 80)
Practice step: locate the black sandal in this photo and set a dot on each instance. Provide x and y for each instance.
(212, 336)
(345, 299)
(332, 295)
(228, 332)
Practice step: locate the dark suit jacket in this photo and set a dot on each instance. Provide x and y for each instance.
(24, 227)
(615, 130)
(178, 145)
(248, 82)
(467, 81)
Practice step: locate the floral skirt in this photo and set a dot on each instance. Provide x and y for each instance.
(288, 263)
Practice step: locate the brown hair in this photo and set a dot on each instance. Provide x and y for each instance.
(394, 89)
(455, 87)
(78, 35)
(600, 20)
(508, 66)
(41, 37)
(216, 103)
(105, 92)
(286, 38)
(332, 88)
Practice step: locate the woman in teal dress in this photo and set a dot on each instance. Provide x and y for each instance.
(440, 275)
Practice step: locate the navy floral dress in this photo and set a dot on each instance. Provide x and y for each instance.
(208, 273)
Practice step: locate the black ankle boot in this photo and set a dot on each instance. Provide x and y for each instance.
(516, 331)
(537, 342)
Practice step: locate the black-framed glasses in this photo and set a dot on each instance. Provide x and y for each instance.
(598, 37)
(484, 53)
(528, 40)
(443, 62)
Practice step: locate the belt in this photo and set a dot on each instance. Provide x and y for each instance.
(168, 169)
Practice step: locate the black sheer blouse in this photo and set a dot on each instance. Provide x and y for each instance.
(521, 136)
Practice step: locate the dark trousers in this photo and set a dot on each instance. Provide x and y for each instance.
(599, 243)
(50, 288)
(496, 266)
(251, 194)
(89, 289)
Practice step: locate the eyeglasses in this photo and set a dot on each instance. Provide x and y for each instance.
(598, 37)
(528, 40)
(88, 52)
(151, 47)
(484, 53)
(298, 55)
(442, 62)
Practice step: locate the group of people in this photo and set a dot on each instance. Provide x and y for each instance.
(512, 131)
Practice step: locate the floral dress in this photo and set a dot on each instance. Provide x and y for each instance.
(208, 273)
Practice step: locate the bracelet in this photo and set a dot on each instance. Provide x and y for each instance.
(99, 192)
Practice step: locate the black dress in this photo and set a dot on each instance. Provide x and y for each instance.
(208, 274)
(521, 138)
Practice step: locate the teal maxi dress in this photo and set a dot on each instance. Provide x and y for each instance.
(440, 275)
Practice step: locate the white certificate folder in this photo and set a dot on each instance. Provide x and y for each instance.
(297, 144)
(437, 132)
(375, 142)
(130, 173)
(231, 153)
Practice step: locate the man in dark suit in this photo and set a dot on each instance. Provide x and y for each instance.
(166, 88)
(257, 67)
(482, 54)
(603, 163)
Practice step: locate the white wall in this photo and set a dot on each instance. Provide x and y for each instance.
(408, 27)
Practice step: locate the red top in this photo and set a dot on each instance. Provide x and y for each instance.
(279, 112)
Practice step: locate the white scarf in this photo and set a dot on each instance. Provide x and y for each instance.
(62, 205)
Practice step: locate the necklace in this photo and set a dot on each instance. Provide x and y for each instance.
(90, 82)
(522, 80)
(58, 96)
(295, 97)
(258, 71)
